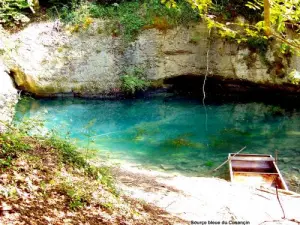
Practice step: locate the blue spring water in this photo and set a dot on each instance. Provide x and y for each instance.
(173, 134)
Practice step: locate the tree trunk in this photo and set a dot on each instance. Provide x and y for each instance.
(267, 17)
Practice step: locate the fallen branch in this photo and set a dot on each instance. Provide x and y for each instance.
(169, 204)
(285, 192)
(262, 196)
(273, 221)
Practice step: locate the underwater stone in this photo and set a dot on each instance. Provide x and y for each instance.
(296, 169)
(181, 168)
(285, 160)
(167, 167)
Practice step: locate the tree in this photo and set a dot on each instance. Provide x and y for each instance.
(279, 16)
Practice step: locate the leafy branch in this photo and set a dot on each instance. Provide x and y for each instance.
(277, 19)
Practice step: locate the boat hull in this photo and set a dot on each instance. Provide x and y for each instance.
(255, 170)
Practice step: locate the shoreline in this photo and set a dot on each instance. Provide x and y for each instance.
(204, 198)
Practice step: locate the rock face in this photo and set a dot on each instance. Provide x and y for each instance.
(8, 97)
(49, 61)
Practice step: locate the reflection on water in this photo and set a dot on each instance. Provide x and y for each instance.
(170, 133)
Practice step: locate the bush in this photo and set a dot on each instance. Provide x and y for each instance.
(259, 43)
(134, 81)
(13, 12)
(60, 3)
(229, 9)
(130, 17)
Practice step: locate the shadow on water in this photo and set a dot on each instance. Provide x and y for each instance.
(223, 91)
(168, 132)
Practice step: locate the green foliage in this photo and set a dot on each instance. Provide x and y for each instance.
(60, 3)
(196, 38)
(5, 162)
(104, 175)
(258, 42)
(25, 136)
(108, 205)
(235, 132)
(11, 143)
(281, 16)
(140, 133)
(285, 49)
(78, 196)
(209, 163)
(67, 150)
(294, 77)
(75, 15)
(182, 141)
(129, 17)
(125, 17)
(71, 156)
(134, 81)
(230, 9)
(132, 84)
(182, 14)
(13, 12)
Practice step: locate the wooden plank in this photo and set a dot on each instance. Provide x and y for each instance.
(257, 166)
(250, 155)
(228, 159)
(251, 159)
(269, 180)
(281, 177)
(230, 169)
(256, 173)
(255, 179)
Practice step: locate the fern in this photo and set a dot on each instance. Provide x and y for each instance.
(134, 81)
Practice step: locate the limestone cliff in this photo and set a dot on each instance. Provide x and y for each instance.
(8, 97)
(47, 60)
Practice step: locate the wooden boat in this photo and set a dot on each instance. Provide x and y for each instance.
(255, 170)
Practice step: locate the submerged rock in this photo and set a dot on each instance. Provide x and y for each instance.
(167, 167)
(296, 169)
(294, 181)
(285, 160)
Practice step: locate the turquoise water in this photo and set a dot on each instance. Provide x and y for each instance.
(174, 134)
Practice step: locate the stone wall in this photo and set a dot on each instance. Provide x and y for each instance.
(49, 61)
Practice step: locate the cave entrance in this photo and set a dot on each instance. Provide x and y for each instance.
(220, 89)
